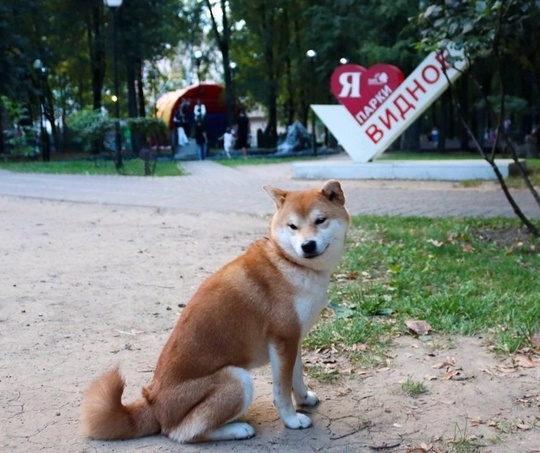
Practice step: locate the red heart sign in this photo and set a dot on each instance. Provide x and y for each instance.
(362, 91)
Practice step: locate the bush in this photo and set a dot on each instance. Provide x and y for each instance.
(152, 131)
(90, 129)
(95, 131)
(20, 139)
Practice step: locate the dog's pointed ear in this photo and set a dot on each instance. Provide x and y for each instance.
(332, 190)
(278, 195)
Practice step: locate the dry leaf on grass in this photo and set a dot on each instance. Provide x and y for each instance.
(418, 327)
(346, 276)
(358, 347)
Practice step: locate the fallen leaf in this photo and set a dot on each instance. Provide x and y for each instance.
(417, 450)
(523, 427)
(475, 421)
(346, 276)
(505, 369)
(525, 361)
(435, 243)
(450, 362)
(361, 347)
(450, 375)
(447, 402)
(418, 327)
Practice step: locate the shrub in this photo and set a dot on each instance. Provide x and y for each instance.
(90, 129)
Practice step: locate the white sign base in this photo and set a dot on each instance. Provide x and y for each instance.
(346, 130)
(440, 170)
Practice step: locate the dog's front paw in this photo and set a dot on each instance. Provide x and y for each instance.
(311, 399)
(298, 421)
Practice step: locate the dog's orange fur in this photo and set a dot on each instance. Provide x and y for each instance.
(240, 317)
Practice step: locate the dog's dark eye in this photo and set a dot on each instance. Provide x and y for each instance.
(320, 220)
(292, 226)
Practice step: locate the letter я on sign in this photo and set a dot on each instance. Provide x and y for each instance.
(362, 91)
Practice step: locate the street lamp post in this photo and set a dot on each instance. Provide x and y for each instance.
(198, 58)
(41, 76)
(233, 67)
(312, 55)
(113, 5)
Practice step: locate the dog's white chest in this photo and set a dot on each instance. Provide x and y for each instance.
(311, 299)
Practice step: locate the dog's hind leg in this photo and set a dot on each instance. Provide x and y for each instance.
(228, 397)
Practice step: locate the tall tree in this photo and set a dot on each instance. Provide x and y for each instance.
(219, 13)
(498, 31)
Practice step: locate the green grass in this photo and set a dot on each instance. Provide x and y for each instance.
(413, 388)
(237, 161)
(320, 374)
(442, 271)
(135, 167)
(132, 167)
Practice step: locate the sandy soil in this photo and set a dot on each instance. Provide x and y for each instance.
(85, 287)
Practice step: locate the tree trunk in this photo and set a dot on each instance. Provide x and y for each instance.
(96, 49)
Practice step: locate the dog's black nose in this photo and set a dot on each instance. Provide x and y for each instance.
(309, 247)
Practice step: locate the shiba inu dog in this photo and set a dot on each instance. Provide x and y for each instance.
(255, 310)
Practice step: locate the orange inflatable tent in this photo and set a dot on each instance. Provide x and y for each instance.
(212, 96)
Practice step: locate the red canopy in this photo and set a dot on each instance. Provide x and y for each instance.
(211, 95)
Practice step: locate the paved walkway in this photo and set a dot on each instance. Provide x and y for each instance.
(213, 187)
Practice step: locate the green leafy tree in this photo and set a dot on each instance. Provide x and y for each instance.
(148, 30)
(498, 32)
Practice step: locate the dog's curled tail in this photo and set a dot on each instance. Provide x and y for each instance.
(104, 417)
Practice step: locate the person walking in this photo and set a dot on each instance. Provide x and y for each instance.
(228, 139)
(201, 139)
(242, 131)
(435, 136)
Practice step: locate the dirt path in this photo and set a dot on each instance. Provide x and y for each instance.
(86, 286)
